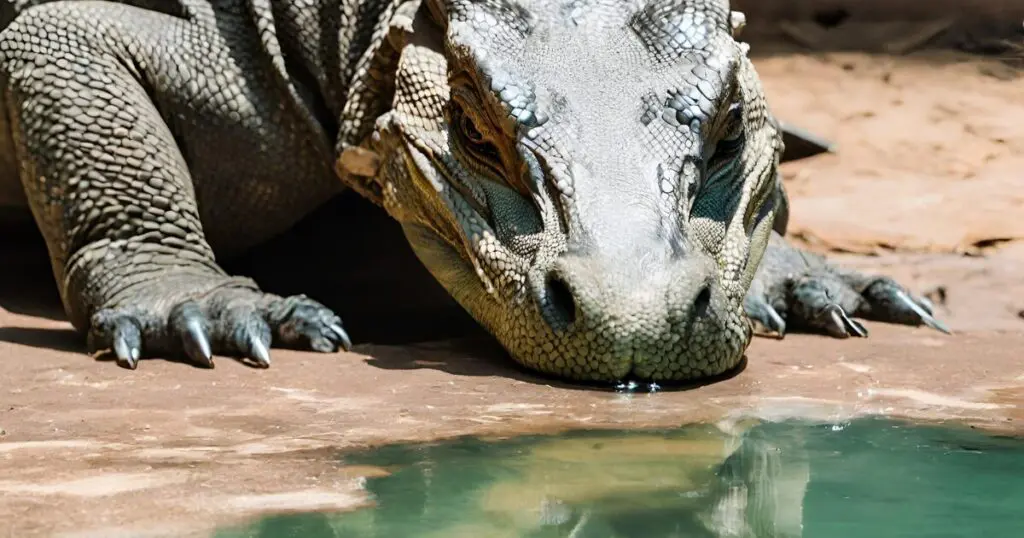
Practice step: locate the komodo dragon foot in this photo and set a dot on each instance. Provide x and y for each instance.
(110, 113)
(794, 289)
(226, 321)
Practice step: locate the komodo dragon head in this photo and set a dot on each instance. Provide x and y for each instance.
(594, 181)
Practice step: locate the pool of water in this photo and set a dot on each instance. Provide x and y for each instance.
(869, 478)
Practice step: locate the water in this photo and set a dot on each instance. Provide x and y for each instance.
(870, 478)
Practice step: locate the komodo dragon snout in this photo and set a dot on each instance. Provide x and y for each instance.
(595, 186)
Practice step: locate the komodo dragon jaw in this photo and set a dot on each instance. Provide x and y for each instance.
(593, 182)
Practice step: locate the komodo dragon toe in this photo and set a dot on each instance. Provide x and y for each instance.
(797, 290)
(227, 321)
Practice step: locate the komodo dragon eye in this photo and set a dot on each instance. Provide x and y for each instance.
(483, 153)
(727, 149)
(734, 122)
(477, 142)
(469, 129)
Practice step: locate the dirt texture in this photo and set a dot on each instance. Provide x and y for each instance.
(929, 150)
(91, 449)
(927, 179)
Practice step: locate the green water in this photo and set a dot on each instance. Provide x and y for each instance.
(870, 478)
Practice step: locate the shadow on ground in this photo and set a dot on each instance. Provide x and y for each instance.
(352, 257)
(43, 338)
(481, 356)
(348, 254)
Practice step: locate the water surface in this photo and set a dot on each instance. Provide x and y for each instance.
(869, 478)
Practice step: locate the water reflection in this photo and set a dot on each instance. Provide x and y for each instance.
(695, 482)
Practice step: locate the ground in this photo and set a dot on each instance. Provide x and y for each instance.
(926, 185)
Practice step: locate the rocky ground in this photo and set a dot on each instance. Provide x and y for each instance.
(927, 185)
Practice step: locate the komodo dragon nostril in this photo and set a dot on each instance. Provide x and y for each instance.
(701, 302)
(561, 304)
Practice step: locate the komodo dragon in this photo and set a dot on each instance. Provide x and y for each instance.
(594, 181)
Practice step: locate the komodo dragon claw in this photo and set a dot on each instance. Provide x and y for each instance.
(926, 318)
(794, 289)
(764, 314)
(233, 322)
(259, 352)
(888, 301)
(127, 343)
(343, 339)
(818, 301)
(841, 325)
(197, 344)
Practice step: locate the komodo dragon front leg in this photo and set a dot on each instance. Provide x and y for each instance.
(798, 290)
(89, 88)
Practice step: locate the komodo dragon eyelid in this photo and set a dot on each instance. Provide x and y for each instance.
(470, 131)
(483, 157)
(474, 140)
(478, 152)
(733, 122)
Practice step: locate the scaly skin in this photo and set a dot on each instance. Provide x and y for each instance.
(594, 181)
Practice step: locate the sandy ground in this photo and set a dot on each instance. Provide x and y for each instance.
(928, 179)
(930, 150)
